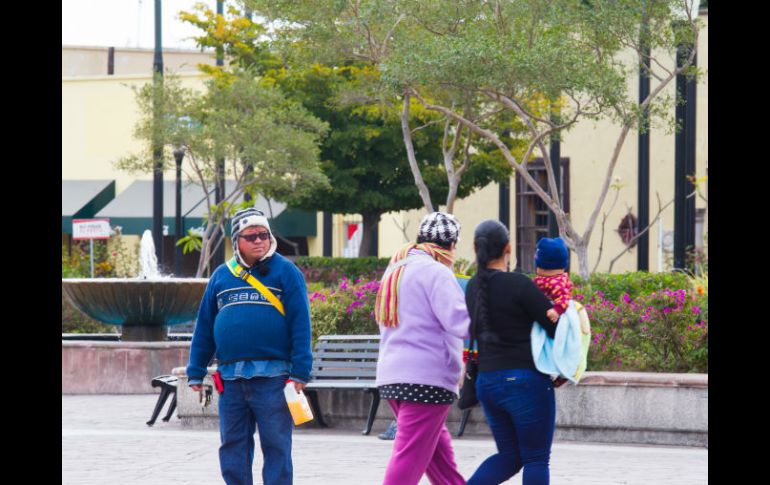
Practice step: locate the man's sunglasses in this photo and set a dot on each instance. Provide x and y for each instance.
(263, 236)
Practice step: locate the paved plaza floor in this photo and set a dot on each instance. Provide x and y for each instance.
(105, 441)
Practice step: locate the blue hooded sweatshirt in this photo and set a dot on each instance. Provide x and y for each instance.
(240, 324)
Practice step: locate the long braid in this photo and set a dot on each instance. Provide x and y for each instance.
(481, 308)
(490, 240)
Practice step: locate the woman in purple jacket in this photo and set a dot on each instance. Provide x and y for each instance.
(423, 320)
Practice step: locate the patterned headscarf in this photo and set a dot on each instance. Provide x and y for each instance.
(439, 227)
(386, 305)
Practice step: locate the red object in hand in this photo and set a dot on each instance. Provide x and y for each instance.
(218, 383)
(559, 381)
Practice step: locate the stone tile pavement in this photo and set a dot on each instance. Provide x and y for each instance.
(105, 441)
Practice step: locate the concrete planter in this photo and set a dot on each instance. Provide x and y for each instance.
(635, 407)
(610, 407)
(93, 367)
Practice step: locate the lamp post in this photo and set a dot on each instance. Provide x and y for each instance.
(178, 156)
(157, 150)
(219, 193)
(643, 196)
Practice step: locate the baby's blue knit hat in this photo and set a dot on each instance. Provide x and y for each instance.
(551, 253)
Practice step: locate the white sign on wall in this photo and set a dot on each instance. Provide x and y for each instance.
(90, 229)
(353, 242)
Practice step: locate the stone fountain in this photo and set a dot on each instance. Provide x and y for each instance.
(145, 306)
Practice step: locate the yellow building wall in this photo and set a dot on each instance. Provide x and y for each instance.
(93, 61)
(390, 230)
(315, 246)
(590, 146)
(98, 118)
(471, 211)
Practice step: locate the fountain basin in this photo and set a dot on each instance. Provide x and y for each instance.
(145, 308)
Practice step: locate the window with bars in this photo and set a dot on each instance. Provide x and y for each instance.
(532, 214)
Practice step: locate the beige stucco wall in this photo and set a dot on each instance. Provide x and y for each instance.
(315, 245)
(92, 61)
(589, 147)
(98, 118)
(471, 211)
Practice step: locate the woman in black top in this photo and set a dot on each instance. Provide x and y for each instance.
(517, 399)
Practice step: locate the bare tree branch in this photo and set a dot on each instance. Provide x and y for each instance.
(619, 144)
(390, 33)
(467, 156)
(421, 187)
(435, 122)
(643, 231)
(402, 229)
(601, 238)
(538, 139)
(570, 232)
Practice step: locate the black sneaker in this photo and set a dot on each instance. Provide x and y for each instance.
(390, 433)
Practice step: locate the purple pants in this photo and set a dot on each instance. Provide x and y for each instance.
(422, 445)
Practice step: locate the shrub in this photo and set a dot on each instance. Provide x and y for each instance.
(635, 284)
(346, 308)
(665, 331)
(330, 270)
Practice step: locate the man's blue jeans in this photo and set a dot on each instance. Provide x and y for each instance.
(245, 405)
(521, 411)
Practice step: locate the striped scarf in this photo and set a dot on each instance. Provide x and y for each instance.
(386, 306)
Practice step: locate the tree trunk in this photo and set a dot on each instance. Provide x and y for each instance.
(371, 219)
(204, 256)
(581, 249)
(418, 181)
(454, 182)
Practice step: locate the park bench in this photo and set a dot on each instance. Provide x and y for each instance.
(167, 386)
(345, 362)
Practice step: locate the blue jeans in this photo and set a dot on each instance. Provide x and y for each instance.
(521, 411)
(245, 405)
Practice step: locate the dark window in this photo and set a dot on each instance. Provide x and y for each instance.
(286, 246)
(532, 214)
(189, 261)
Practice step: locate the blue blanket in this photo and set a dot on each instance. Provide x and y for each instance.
(567, 353)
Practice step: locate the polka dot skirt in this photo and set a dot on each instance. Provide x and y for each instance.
(417, 393)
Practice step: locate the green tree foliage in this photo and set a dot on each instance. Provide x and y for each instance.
(363, 154)
(548, 65)
(269, 143)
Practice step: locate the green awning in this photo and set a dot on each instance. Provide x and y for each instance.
(295, 223)
(82, 199)
(132, 210)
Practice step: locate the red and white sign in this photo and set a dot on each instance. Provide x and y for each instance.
(90, 229)
(353, 243)
(352, 228)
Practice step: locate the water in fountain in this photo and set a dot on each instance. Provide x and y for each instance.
(146, 306)
(147, 257)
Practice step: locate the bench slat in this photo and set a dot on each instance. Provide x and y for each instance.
(345, 373)
(326, 355)
(352, 365)
(345, 362)
(346, 346)
(348, 337)
(341, 384)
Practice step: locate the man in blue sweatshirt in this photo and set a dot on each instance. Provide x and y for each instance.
(261, 341)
